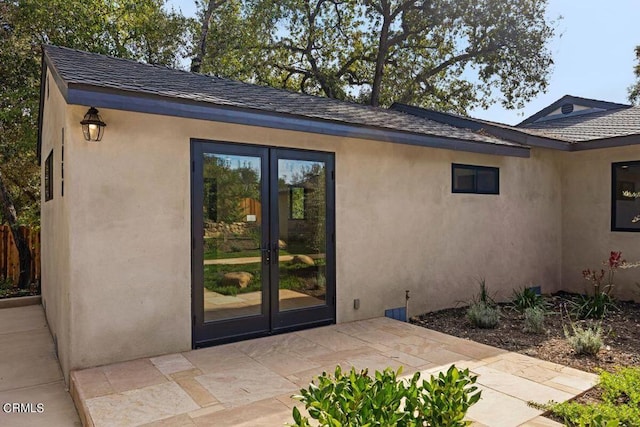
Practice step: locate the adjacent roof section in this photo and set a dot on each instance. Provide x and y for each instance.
(592, 124)
(102, 81)
(569, 106)
(597, 125)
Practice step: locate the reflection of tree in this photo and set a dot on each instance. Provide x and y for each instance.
(225, 186)
(312, 179)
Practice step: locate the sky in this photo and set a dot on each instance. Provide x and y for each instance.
(593, 53)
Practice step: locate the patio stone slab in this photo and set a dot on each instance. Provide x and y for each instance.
(541, 422)
(518, 387)
(240, 386)
(497, 409)
(57, 405)
(171, 363)
(269, 412)
(250, 383)
(132, 375)
(140, 406)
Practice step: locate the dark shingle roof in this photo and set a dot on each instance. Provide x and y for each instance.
(598, 125)
(82, 69)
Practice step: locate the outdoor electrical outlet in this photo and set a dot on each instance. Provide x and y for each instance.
(356, 303)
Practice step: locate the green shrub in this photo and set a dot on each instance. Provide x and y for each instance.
(534, 320)
(595, 306)
(620, 404)
(356, 399)
(483, 315)
(587, 340)
(526, 298)
(484, 296)
(6, 284)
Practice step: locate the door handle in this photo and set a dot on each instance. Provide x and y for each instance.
(275, 249)
(266, 255)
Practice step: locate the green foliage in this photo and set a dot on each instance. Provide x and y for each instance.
(484, 296)
(595, 306)
(483, 315)
(620, 404)
(441, 54)
(6, 284)
(526, 298)
(584, 340)
(356, 399)
(534, 320)
(634, 90)
(136, 29)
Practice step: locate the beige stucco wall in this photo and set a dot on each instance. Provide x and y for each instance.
(55, 231)
(126, 240)
(586, 220)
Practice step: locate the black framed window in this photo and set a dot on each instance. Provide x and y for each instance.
(625, 196)
(474, 179)
(48, 177)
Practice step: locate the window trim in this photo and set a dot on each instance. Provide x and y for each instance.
(476, 169)
(48, 177)
(613, 195)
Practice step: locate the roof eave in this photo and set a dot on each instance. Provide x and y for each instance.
(100, 97)
(502, 132)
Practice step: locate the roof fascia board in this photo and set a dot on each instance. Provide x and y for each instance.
(152, 104)
(618, 141)
(513, 135)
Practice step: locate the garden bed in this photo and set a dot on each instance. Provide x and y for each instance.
(621, 334)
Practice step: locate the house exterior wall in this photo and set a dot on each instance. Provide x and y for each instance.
(586, 220)
(126, 240)
(55, 230)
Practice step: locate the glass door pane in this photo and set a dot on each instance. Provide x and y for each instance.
(232, 236)
(302, 204)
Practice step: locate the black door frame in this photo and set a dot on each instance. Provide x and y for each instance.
(270, 320)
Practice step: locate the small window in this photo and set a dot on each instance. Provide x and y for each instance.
(48, 177)
(474, 179)
(297, 203)
(625, 195)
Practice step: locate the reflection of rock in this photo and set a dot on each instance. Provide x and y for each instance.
(303, 259)
(282, 244)
(239, 279)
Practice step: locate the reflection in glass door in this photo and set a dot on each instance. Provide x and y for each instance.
(302, 233)
(232, 236)
(263, 257)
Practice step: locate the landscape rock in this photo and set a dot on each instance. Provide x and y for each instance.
(239, 279)
(303, 259)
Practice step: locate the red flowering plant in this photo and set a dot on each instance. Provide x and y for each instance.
(598, 305)
(615, 260)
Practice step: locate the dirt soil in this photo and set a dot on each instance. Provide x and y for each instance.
(621, 341)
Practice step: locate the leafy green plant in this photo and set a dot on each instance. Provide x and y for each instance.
(483, 315)
(356, 399)
(534, 318)
(587, 340)
(620, 404)
(597, 306)
(6, 284)
(484, 296)
(526, 298)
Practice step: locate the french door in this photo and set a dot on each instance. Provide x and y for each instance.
(263, 257)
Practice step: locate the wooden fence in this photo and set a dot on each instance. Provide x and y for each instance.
(9, 260)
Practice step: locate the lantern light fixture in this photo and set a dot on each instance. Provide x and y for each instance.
(92, 125)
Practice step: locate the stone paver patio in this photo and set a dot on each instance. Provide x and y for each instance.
(249, 383)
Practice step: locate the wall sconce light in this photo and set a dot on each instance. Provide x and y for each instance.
(92, 125)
